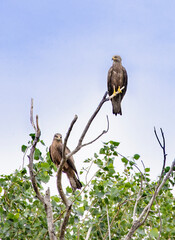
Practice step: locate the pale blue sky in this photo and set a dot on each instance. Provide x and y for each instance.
(59, 52)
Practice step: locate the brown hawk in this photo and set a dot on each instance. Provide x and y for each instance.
(69, 168)
(117, 78)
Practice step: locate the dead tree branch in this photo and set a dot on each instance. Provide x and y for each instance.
(162, 179)
(45, 200)
(65, 200)
(65, 222)
(32, 150)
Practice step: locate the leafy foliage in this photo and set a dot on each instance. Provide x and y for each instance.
(108, 193)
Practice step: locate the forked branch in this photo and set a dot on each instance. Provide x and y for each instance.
(162, 180)
(45, 200)
(65, 200)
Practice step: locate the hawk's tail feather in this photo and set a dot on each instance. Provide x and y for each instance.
(74, 181)
(116, 107)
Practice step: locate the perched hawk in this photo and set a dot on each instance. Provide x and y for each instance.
(69, 167)
(117, 78)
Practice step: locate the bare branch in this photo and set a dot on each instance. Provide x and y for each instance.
(65, 222)
(162, 179)
(50, 221)
(138, 199)
(31, 115)
(114, 94)
(91, 119)
(162, 145)
(109, 230)
(143, 216)
(32, 150)
(65, 200)
(88, 233)
(86, 216)
(63, 160)
(88, 170)
(80, 145)
(45, 200)
(104, 131)
(112, 222)
(67, 136)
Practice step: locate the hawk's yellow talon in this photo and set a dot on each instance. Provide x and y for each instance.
(114, 92)
(119, 90)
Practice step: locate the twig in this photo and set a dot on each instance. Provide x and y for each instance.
(88, 233)
(112, 222)
(104, 131)
(88, 171)
(86, 216)
(134, 164)
(79, 145)
(158, 207)
(162, 145)
(31, 115)
(109, 230)
(137, 199)
(67, 136)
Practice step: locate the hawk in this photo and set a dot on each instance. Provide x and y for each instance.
(117, 78)
(69, 168)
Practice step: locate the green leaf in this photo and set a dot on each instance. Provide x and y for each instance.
(115, 153)
(13, 217)
(124, 160)
(32, 135)
(87, 160)
(147, 169)
(167, 169)
(69, 189)
(136, 156)
(44, 177)
(42, 142)
(102, 151)
(99, 162)
(37, 154)
(114, 143)
(23, 148)
(45, 166)
(80, 211)
(154, 233)
(55, 198)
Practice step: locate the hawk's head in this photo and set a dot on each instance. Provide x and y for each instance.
(58, 137)
(117, 58)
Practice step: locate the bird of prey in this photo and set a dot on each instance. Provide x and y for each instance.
(69, 168)
(117, 78)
